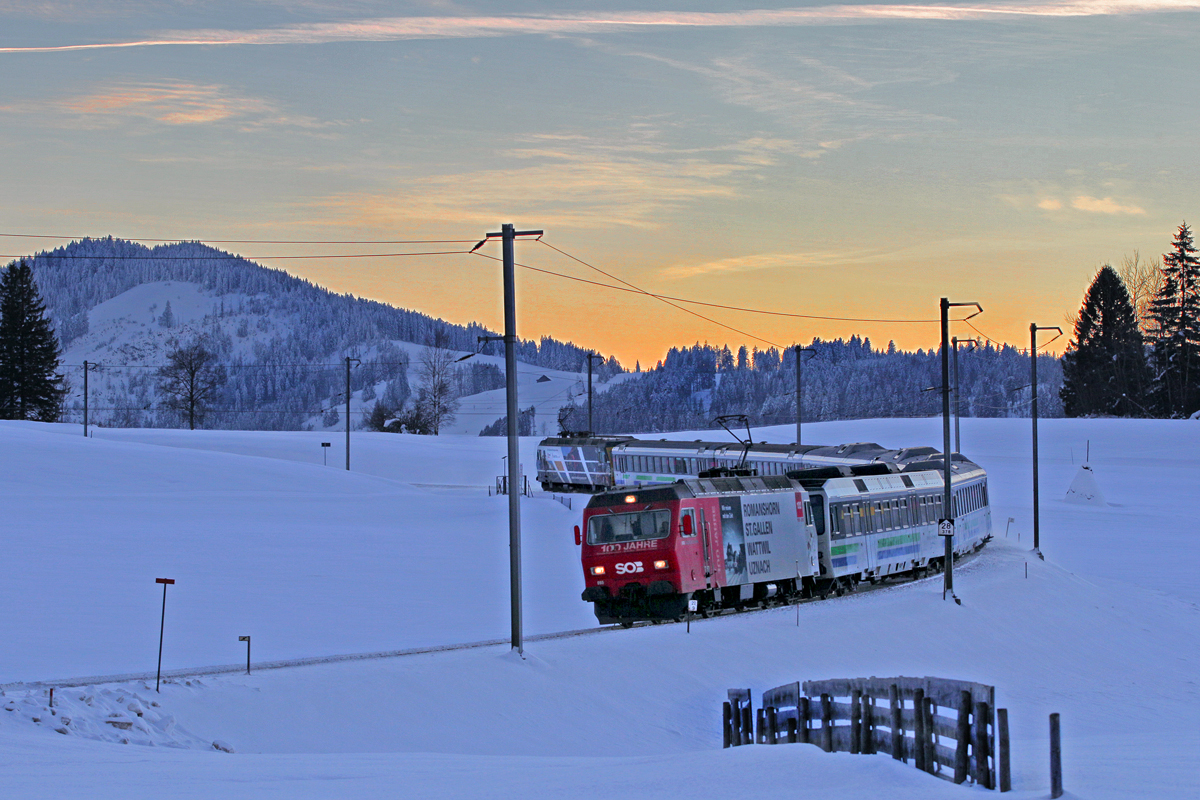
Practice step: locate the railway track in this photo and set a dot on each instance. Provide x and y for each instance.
(231, 669)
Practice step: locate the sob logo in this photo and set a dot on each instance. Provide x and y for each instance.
(630, 567)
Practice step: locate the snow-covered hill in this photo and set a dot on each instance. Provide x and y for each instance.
(283, 342)
(409, 550)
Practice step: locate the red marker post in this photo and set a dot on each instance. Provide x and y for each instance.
(161, 626)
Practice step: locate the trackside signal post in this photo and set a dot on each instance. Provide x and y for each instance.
(508, 235)
(946, 524)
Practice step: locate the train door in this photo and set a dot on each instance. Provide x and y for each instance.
(693, 552)
(706, 539)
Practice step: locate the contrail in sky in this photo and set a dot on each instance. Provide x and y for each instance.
(401, 28)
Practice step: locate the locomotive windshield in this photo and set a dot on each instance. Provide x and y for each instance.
(617, 528)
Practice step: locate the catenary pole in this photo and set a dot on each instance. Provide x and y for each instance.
(946, 523)
(508, 235)
(799, 383)
(347, 412)
(947, 456)
(1033, 389)
(85, 398)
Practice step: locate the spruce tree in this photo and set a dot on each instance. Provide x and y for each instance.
(1104, 369)
(1175, 335)
(30, 386)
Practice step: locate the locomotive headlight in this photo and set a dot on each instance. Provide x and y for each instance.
(661, 564)
(631, 498)
(597, 570)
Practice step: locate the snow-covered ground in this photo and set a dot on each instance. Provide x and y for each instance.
(408, 550)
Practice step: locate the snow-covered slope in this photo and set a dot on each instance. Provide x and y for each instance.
(408, 549)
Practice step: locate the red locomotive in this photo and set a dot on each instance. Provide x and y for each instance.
(725, 542)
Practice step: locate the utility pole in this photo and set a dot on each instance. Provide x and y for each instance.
(955, 341)
(1033, 329)
(799, 383)
(946, 523)
(85, 398)
(591, 427)
(356, 361)
(508, 235)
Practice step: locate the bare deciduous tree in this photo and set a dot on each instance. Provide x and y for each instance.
(1143, 280)
(191, 380)
(436, 403)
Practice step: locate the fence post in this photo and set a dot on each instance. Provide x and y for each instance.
(919, 729)
(1056, 782)
(982, 773)
(747, 725)
(856, 722)
(962, 737)
(760, 730)
(726, 724)
(931, 762)
(1002, 743)
(772, 725)
(872, 745)
(897, 730)
(826, 723)
(791, 731)
(804, 712)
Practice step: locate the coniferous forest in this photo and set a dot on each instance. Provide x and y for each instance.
(1134, 351)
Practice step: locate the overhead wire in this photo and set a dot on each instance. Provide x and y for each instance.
(236, 257)
(638, 290)
(246, 241)
(720, 305)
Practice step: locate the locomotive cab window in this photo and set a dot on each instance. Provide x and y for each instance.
(634, 527)
(817, 513)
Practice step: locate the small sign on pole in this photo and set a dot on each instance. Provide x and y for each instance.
(946, 527)
(325, 453)
(246, 639)
(161, 626)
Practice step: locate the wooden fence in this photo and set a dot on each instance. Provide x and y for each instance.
(943, 727)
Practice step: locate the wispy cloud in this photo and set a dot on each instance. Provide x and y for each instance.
(589, 186)
(435, 27)
(763, 261)
(1051, 198)
(171, 103)
(1103, 205)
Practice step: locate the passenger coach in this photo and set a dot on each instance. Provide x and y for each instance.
(737, 542)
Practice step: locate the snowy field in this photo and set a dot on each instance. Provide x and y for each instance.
(408, 550)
